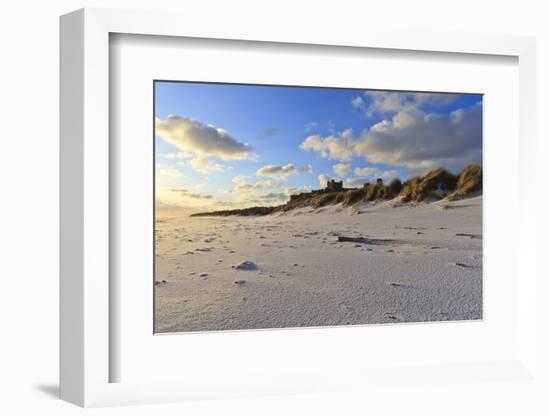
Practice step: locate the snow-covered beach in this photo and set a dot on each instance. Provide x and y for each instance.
(418, 263)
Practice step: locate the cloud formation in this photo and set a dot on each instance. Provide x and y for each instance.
(178, 199)
(172, 172)
(205, 166)
(341, 169)
(296, 190)
(372, 172)
(410, 138)
(357, 102)
(277, 171)
(388, 103)
(186, 193)
(307, 169)
(354, 183)
(201, 139)
(323, 180)
(265, 192)
(422, 141)
(178, 155)
(335, 147)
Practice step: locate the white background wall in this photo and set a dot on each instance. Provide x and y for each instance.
(29, 56)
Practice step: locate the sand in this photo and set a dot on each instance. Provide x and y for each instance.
(412, 263)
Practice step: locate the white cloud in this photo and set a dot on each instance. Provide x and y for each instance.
(205, 166)
(422, 141)
(201, 139)
(178, 155)
(270, 198)
(366, 172)
(410, 138)
(279, 172)
(260, 192)
(341, 169)
(323, 180)
(186, 193)
(172, 172)
(294, 191)
(357, 102)
(388, 102)
(384, 102)
(243, 185)
(389, 175)
(307, 169)
(170, 199)
(428, 99)
(375, 173)
(268, 184)
(331, 147)
(354, 183)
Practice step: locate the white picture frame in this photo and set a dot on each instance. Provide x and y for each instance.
(85, 220)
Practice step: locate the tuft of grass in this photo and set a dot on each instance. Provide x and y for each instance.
(353, 196)
(393, 188)
(434, 185)
(324, 199)
(469, 180)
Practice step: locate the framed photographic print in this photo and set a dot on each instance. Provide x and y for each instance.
(286, 213)
(343, 206)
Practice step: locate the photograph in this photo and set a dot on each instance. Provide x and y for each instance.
(298, 206)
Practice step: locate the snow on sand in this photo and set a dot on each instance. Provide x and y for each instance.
(414, 264)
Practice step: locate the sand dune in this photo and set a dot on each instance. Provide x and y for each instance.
(401, 263)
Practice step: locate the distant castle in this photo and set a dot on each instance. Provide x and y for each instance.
(331, 186)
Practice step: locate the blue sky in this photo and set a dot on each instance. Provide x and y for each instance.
(222, 145)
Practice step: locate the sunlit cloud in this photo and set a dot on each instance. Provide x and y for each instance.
(372, 172)
(411, 138)
(357, 102)
(323, 180)
(178, 155)
(332, 147)
(296, 190)
(421, 141)
(354, 183)
(277, 171)
(250, 192)
(177, 199)
(171, 172)
(307, 169)
(200, 139)
(205, 166)
(341, 169)
(388, 103)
